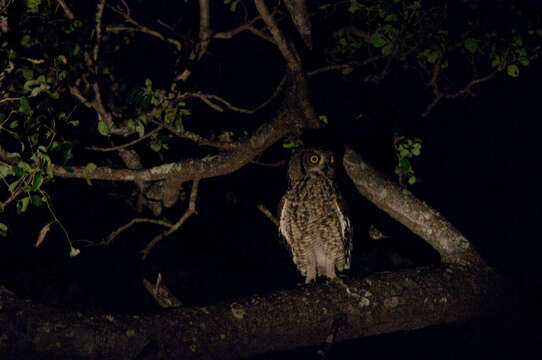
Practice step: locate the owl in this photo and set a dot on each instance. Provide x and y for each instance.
(312, 216)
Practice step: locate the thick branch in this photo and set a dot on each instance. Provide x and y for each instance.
(413, 213)
(300, 17)
(292, 61)
(304, 316)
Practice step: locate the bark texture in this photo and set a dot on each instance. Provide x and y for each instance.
(282, 320)
(416, 215)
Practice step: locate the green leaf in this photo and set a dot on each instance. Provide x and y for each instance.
(412, 180)
(377, 40)
(524, 61)
(140, 128)
(37, 200)
(512, 70)
(90, 168)
(55, 146)
(38, 180)
(28, 74)
(323, 119)
(102, 128)
(347, 70)
(387, 50)
(27, 41)
(5, 170)
(24, 106)
(3, 229)
(22, 205)
(404, 166)
(471, 45)
(179, 125)
(148, 82)
(74, 252)
(13, 185)
(156, 146)
(76, 50)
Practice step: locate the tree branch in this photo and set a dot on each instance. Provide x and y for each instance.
(67, 11)
(292, 61)
(124, 146)
(109, 239)
(191, 210)
(139, 28)
(417, 216)
(279, 321)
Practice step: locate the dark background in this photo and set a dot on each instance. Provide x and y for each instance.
(479, 167)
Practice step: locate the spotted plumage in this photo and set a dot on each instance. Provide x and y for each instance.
(312, 216)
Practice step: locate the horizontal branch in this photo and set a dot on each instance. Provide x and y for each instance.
(304, 316)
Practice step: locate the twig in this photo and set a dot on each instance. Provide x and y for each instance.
(118, 147)
(12, 197)
(99, 14)
(244, 27)
(442, 94)
(67, 11)
(139, 28)
(109, 239)
(205, 98)
(268, 213)
(350, 64)
(191, 210)
(275, 164)
(198, 139)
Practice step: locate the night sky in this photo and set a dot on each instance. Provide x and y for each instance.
(479, 167)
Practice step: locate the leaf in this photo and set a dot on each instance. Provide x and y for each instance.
(471, 45)
(55, 146)
(156, 146)
(24, 107)
(90, 168)
(347, 70)
(524, 61)
(412, 180)
(3, 229)
(74, 252)
(22, 205)
(38, 180)
(37, 200)
(404, 166)
(44, 230)
(377, 40)
(5, 170)
(140, 128)
(387, 50)
(13, 185)
(323, 119)
(148, 82)
(102, 128)
(512, 70)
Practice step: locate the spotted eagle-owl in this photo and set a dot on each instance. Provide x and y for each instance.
(313, 219)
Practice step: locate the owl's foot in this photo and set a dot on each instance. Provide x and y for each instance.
(339, 283)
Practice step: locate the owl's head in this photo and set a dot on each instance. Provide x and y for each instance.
(307, 161)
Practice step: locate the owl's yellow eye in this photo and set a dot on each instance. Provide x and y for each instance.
(314, 159)
(331, 159)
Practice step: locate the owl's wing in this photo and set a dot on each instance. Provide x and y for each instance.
(346, 227)
(285, 226)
